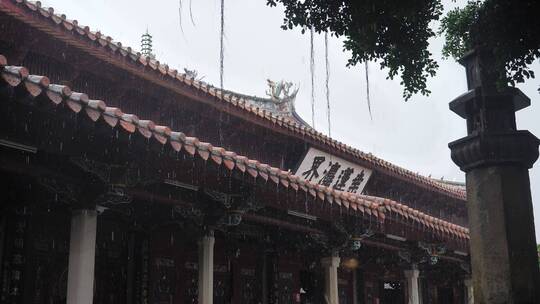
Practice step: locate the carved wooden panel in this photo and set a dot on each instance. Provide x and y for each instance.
(345, 287)
(222, 284)
(250, 286)
(191, 283)
(14, 256)
(48, 262)
(371, 291)
(163, 280)
(111, 260)
(284, 288)
(142, 277)
(36, 255)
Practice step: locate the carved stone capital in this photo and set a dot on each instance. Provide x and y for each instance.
(514, 148)
(331, 261)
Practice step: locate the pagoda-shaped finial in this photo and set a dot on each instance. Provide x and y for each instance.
(146, 44)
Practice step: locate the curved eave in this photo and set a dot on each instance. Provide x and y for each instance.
(108, 50)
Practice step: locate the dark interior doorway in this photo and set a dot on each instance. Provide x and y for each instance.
(392, 292)
(445, 295)
(311, 291)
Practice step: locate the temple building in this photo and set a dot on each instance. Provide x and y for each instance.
(126, 181)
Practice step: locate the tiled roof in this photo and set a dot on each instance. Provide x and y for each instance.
(461, 186)
(98, 111)
(283, 108)
(104, 47)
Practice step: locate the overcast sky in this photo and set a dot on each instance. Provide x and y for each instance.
(413, 134)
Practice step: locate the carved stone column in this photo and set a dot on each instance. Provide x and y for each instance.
(206, 269)
(82, 253)
(413, 294)
(496, 158)
(469, 291)
(330, 266)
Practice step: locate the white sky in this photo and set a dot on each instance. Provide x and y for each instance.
(412, 134)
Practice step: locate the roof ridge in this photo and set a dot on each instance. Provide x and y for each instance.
(229, 97)
(37, 85)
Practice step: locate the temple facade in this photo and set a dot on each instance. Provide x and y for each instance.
(126, 181)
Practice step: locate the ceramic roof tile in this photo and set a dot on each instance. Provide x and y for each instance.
(109, 45)
(14, 76)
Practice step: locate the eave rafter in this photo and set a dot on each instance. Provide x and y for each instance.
(98, 112)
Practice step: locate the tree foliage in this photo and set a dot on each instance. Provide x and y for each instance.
(510, 29)
(396, 33)
(538, 252)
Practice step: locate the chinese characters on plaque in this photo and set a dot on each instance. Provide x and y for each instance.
(325, 169)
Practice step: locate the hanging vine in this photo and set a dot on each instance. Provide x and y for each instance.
(180, 5)
(221, 64)
(191, 13)
(327, 64)
(180, 16)
(312, 71)
(367, 90)
(222, 47)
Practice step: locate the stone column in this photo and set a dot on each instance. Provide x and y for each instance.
(206, 269)
(469, 294)
(496, 158)
(330, 266)
(82, 255)
(413, 295)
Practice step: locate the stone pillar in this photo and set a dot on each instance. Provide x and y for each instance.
(496, 158)
(82, 256)
(413, 295)
(330, 266)
(206, 269)
(469, 294)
